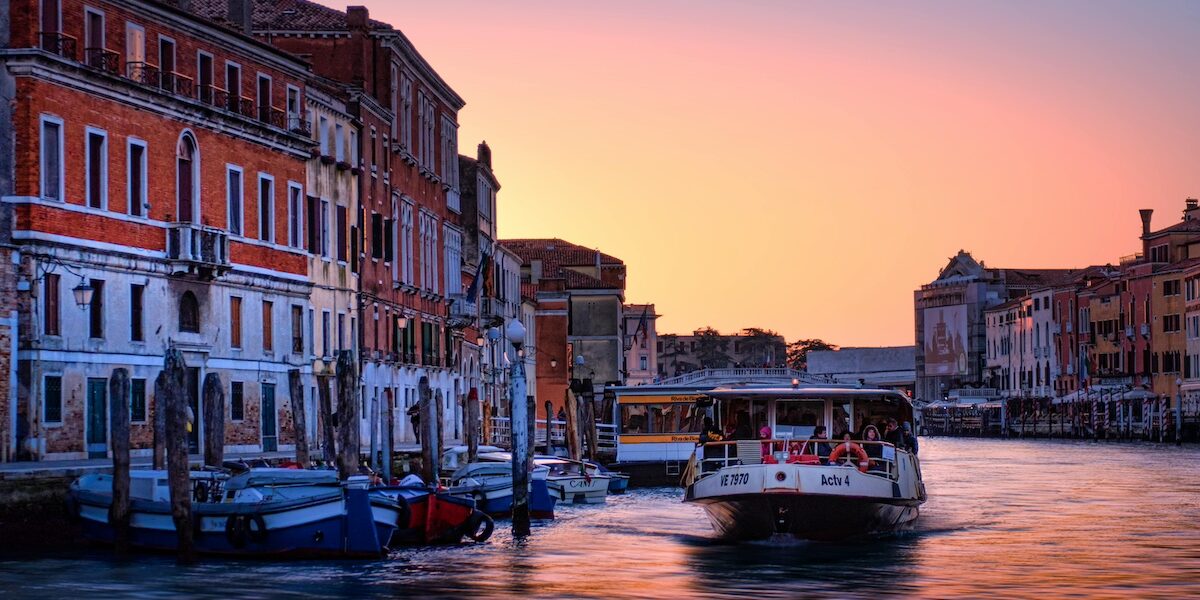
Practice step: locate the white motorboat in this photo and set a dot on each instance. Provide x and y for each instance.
(574, 481)
(754, 488)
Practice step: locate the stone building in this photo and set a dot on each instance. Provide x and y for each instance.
(641, 344)
(750, 347)
(157, 157)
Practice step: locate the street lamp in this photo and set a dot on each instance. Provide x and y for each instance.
(83, 294)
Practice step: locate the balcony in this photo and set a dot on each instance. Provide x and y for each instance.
(143, 73)
(1129, 332)
(60, 44)
(462, 312)
(214, 96)
(174, 83)
(299, 124)
(197, 250)
(1070, 326)
(101, 59)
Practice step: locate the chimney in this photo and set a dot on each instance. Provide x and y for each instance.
(484, 154)
(357, 17)
(535, 271)
(1146, 212)
(1191, 209)
(238, 13)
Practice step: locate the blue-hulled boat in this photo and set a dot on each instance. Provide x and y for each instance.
(489, 482)
(261, 512)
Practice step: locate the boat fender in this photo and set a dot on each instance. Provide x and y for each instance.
(200, 492)
(849, 448)
(474, 532)
(256, 528)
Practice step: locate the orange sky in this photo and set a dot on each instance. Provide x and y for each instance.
(803, 166)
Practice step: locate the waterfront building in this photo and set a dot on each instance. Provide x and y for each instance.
(159, 158)
(1167, 341)
(891, 367)
(951, 329)
(580, 294)
(641, 344)
(331, 208)
(709, 349)
(411, 262)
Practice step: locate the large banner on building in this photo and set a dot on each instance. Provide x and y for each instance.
(946, 340)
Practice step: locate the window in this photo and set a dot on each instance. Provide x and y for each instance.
(643, 363)
(204, 77)
(293, 107)
(339, 143)
(1171, 287)
(389, 240)
(263, 97)
(96, 310)
(483, 192)
(268, 326)
(353, 249)
(51, 16)
(52, 399)
(235, 322)
(297, 329)
(50, 312)
(393, 82)
(233, 192)
(94, 30)
(136, 183)
(137, 400)
(324, 238)
(166, 62)
(453, 261)
(353, 148)
(323, 129)
(189, 313)
(1159, 253)
(233, 85)
(311, 206)
(135, 48)
(450, 160)
(325, 334)
(266, 207)
(52, 159)
(341, 332)
(376, 236)
(187, 180)
(1170, 323)
(406, 243)
(97, 168)
(406, 111)
(135, 312)
(374, 153)
(295, 215)
(341, 233)
(237, 403)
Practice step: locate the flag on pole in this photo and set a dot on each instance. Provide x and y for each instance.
(643, 323)
(484, 264)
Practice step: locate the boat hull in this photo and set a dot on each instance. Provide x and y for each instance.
(579, 490)
(814, 517)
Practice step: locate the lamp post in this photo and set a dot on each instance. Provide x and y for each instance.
(519, 420)
(83, 294)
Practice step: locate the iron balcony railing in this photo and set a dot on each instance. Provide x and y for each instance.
(58, 43)
(143, 73)
(102, 59)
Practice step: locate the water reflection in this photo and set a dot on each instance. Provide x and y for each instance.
(1004, 519)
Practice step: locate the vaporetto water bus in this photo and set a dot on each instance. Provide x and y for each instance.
(788, 484)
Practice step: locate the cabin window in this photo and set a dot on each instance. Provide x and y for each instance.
(661, 418)
(798, 417)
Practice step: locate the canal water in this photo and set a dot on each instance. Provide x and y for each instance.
(1004, 519)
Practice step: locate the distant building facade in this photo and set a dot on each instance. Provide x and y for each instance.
(678, 354)
(891, 367)
(641, 345)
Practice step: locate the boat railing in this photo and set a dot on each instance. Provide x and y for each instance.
(713, 456)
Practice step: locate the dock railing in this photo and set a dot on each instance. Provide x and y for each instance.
(606, 434)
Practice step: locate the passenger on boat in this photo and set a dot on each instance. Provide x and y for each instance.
(818, 444)
(710, 433)
(873, 448)
(894, 435)
(764, 433)
(910, 440)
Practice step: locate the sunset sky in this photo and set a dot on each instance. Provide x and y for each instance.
(804, 166)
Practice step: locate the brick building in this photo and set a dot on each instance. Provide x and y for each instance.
(579, 295)
(159, 157)
(411, 250)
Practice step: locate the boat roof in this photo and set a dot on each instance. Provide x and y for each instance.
(463, 449)
(268, 477)
(807, 391)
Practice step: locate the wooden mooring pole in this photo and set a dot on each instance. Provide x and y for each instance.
(328, 445)
(520, 439)
(178, 479)
(348, 402)
(158, 405)
(299, 417)
(389, 433)
(429, 451)
(214, 420)
(472, 425)
(118, 513)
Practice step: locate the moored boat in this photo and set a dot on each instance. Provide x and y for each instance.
(754, 489)
(262, 512)
(573, 481)
(617, 483)
(435, 516)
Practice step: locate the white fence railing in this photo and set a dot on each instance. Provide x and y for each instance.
(606, 434)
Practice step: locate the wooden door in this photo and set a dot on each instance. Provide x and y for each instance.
(97, 420)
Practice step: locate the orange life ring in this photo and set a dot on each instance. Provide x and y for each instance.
(845, 448)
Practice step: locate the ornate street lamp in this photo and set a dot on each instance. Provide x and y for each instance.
(83, 294)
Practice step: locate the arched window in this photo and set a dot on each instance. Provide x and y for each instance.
(187, 179)
(189, 313)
